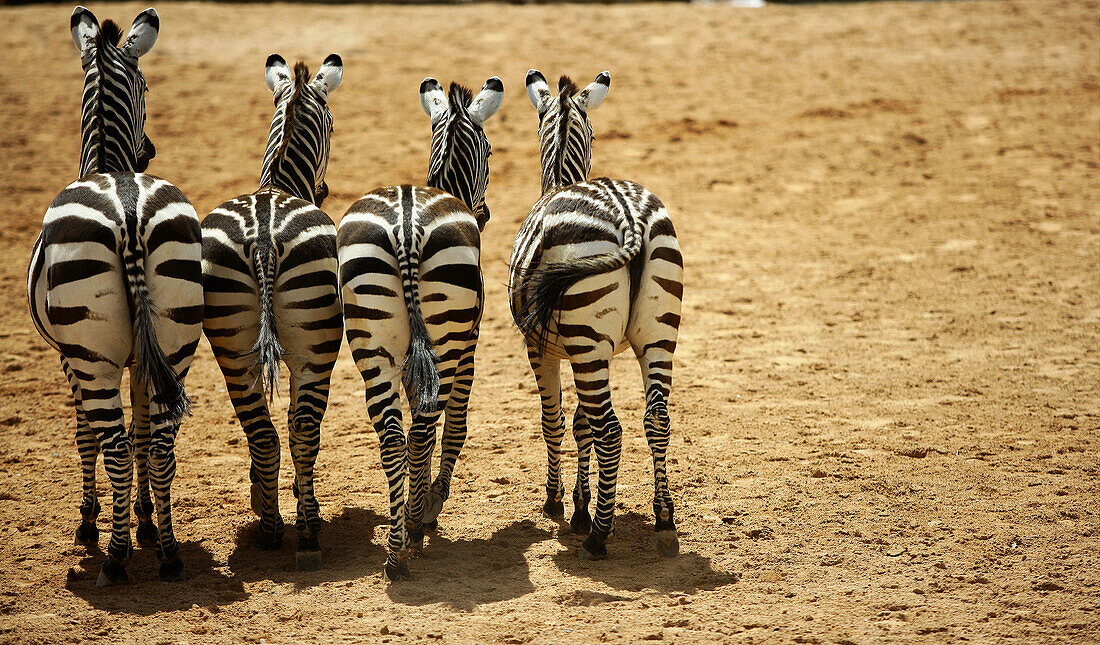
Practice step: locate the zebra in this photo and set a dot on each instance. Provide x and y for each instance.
(269, 276)
(410, 280)
(595, 269)
(115, 281)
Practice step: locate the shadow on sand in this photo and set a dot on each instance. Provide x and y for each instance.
(463, 574)
(146, 594)
(347, 551)
(633, 563)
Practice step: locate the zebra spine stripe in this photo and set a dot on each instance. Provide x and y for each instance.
(420, 376)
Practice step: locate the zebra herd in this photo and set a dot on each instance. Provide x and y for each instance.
(124, 275)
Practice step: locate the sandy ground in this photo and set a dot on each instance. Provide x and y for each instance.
(886, 394)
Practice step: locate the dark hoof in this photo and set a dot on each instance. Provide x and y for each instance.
(416, 541)
(668, 545)
(257, 494)
(113, 572)
(581, 522)
(269, 541)
(87, 534)
(593, 549)
(307, 560)
(431, 526)
(554, 508)
(172, 570)
(396, 573)
(146, 533)
(433, 504)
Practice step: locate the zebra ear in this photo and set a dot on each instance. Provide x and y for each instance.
(143, 34)
(329, 76)
(592, 96)
(537, 90)
(85, 27)
(432, 98)
(487, 102)
(275, 71)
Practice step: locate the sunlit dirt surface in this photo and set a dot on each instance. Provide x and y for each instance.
(886, 393)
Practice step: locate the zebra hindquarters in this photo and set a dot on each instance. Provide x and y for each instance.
(652, 331)
(309, 327)
(377, 328)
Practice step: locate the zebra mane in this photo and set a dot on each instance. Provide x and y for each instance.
(301, 77)
(566, 87)
(109, 33)
(459, 97)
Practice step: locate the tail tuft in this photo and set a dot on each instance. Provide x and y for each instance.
(420, 377)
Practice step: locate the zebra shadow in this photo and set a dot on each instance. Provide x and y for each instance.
(463, 574)
(633, 563)
(145, 594)
(347, 550)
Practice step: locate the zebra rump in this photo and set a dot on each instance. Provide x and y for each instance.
(546, 286)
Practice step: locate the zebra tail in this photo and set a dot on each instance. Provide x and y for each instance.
(151, 365)
(268, 350)
(419, 374)
(546, 285)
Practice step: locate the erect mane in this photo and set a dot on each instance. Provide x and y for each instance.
(109, 33)
(301, 77)
(459, 97)
(566, 87)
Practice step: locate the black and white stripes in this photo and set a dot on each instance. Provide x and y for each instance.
(115, 282)
(596, 268)
(410, 279)
(269, 274)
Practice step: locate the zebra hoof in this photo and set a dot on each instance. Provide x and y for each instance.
(416, 541)
(269, 541)
(87, 534)
(307, 560)
(581, 523)
(431, 526)
(592, 549)
(554, 508)
(257, 499)
(396, 573)
(432, 506)
(668, 545)
(172, 570)
(112, 572)
(146, 533)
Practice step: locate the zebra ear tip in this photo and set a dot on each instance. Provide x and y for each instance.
(604, 78)
(429, 84)
(274, 59)
(494, 84)
(534, 75)
(334, 60)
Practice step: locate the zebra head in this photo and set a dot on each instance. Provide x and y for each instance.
(297, 146)
(459, 159)
(112, 117)
(565, 133)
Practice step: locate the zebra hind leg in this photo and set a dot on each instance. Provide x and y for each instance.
(581, 522)
(106, 420)
(162, 471)
(421, 445)
(594, 394)
(87, 533)
(308, 403)
(548, 377)
(454, 436)
(141, 435)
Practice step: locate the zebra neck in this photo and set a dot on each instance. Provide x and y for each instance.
(556, 176)
(284, 172)
(97, 130)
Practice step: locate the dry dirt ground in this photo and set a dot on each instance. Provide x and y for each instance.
(886, 397)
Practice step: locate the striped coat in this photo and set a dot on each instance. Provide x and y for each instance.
(269, 274)
(595, 269)
(115, 282)
(410, 280)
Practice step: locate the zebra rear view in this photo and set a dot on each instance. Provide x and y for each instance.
(595, 269)
(269, 275)
(115, 282)
(410, 279)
